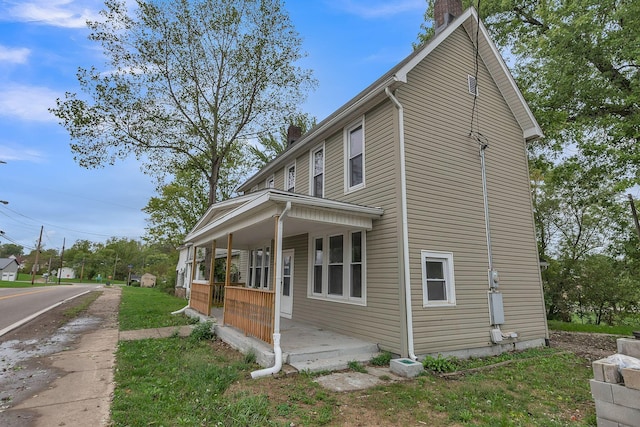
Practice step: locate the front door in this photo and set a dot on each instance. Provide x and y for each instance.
(286, 302)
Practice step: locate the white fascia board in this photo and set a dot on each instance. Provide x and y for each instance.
(324, 126)
(401, 74)
(217, 206)
(327, 204)
(253, 201)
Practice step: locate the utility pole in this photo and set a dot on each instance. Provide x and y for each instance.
(82, 271)
(114, 267)
(634, 213)
(33, 269)
(61, 259)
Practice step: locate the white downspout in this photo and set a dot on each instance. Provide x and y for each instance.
(405, 227)
(277, 289)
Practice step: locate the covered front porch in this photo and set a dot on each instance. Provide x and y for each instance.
(260, 306)
(304, 347)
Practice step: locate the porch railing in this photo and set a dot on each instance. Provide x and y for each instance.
(200, 298)
(204, 296)
(251, 311)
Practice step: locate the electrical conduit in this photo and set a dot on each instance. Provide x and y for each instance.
(277, 288)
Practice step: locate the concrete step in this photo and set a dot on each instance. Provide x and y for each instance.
(330, 352)
(335, 363)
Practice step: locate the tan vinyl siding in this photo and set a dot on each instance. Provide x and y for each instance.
(445, 202)
(378, 321)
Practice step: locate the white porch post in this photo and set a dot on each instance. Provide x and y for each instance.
(227, 276)
(277, 290)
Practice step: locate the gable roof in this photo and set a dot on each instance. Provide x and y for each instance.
(5, 262)
(397, 76)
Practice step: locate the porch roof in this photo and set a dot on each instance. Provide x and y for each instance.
(250, 217)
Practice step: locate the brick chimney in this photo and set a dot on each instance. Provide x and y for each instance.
(445, 11)
(293, 134)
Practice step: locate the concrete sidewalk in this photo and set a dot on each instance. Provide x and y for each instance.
(81, 395)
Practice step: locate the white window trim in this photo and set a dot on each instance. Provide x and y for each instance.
(286, 176)
(346, 297)
(272, 178)
(251, 264)
(447, 258)
(311, 168)
(347, 156)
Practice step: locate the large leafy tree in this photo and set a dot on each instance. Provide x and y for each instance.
(188, 81)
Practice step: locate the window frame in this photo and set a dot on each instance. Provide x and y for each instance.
(449, 278)
(348, 130)
(347, 266)
(265, 266)
(312, 152)
(270, 182)
(287, 184)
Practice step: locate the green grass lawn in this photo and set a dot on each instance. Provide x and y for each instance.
(601, 329)
(180, 381)
(188, 382)
(143, 308)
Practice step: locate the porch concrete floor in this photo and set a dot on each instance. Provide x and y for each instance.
(304, 346)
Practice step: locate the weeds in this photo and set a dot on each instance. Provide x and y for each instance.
(440, 364)
(250, 358)
(202, 332)
(382, 359)
(357, 367)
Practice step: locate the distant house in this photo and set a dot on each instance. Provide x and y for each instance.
(9, 269)
(389, 220)
(148, 280)
(66, 273)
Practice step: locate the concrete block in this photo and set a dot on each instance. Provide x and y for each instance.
(625, 396)
(601, 422)
(406, 367)
(611, 373)
(598, 373)
(629, 346)
(631, 378)
(617, 413)
(601, 391)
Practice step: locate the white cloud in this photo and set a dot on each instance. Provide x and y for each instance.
(57, 13)
(14, 55)
(21, 154)
(29, 103)
(379, 8)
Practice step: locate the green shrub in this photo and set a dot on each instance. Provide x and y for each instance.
(440, 363)
(203, 331)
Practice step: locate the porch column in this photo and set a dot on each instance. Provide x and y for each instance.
(212, 274)
(227, 278)
(274, 257)
(213, 263)
(193, 271)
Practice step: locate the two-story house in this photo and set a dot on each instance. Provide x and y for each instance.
(405, 217)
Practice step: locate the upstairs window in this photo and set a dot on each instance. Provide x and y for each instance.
(270, 183)
(317, 172)
(354, 156)
(290, 178)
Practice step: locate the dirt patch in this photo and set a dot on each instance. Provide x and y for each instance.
(589, 346)
(25, 369)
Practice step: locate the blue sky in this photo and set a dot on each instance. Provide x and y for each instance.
(349, 43)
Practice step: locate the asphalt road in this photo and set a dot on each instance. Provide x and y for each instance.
(19, 304)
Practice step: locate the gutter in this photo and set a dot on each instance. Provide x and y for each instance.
(277, 286)
(405, 227)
